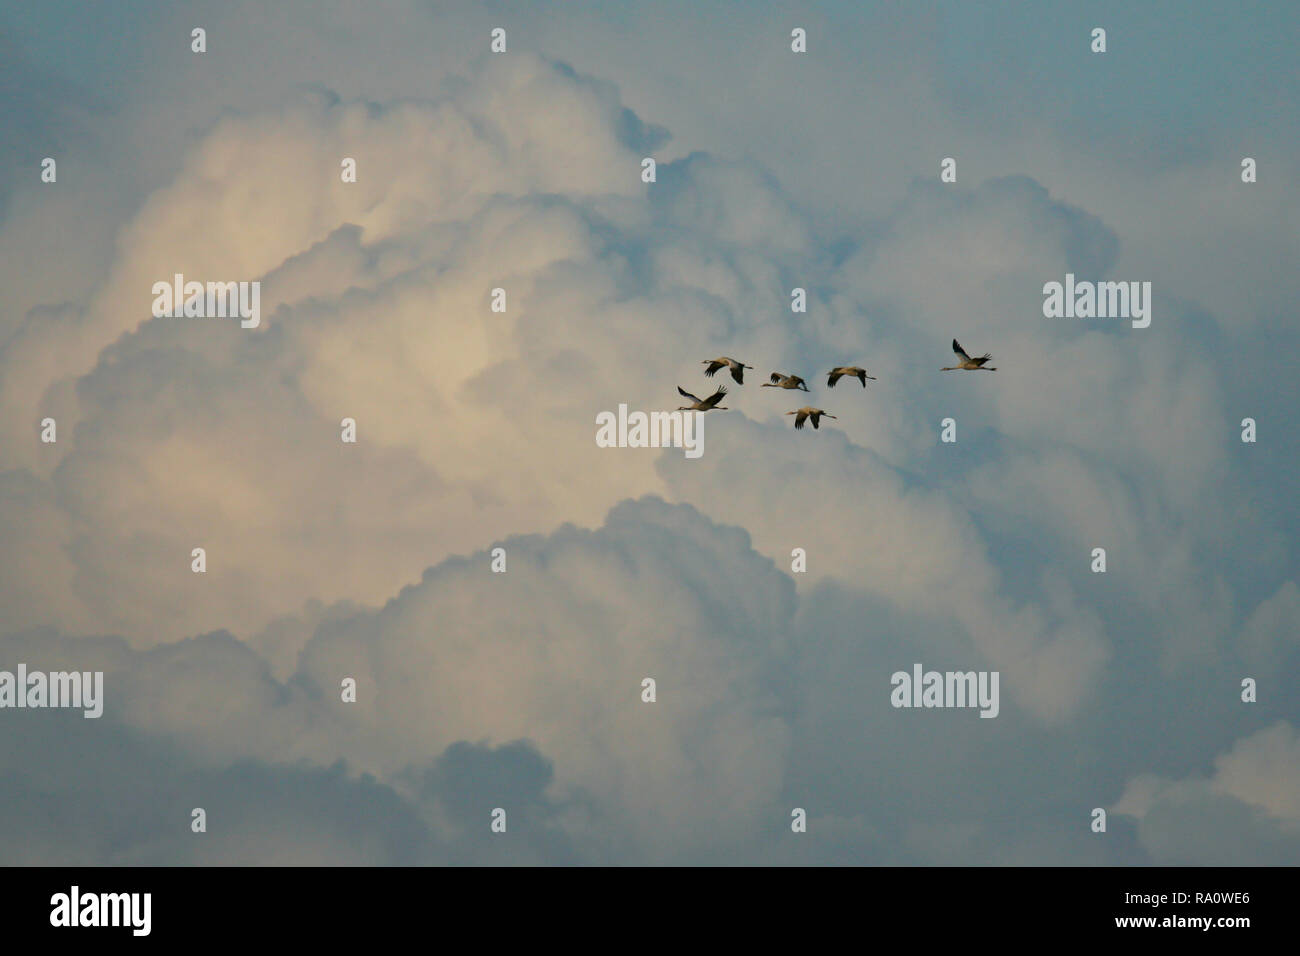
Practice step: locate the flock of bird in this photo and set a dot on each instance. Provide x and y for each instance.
(781, 380)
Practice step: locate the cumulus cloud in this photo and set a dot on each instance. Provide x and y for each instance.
(554, 651)
(1246, 812)
(327, 560)
(376, 309)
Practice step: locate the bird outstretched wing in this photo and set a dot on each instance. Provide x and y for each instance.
(835, 375)
(961, 352)
(686, 394)
(715, 397)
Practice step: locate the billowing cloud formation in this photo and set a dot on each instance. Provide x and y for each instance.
(377, 310)
(1247, 812)
(555, 650)
(327, 559)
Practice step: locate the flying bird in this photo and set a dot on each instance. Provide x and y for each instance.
(803, 414)
(785, 381)
(737, 368)
(703, 404)
(973, 364)
(851, 370)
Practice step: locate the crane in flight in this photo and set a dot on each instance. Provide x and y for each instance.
(803, 414)
(703, 404)
(850, 370)
(786, 381)
(966, 362)
(737, 368)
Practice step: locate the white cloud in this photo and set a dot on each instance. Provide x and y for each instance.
(477, 429)
(1247, 812)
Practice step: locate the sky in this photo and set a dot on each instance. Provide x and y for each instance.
(371, 561)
